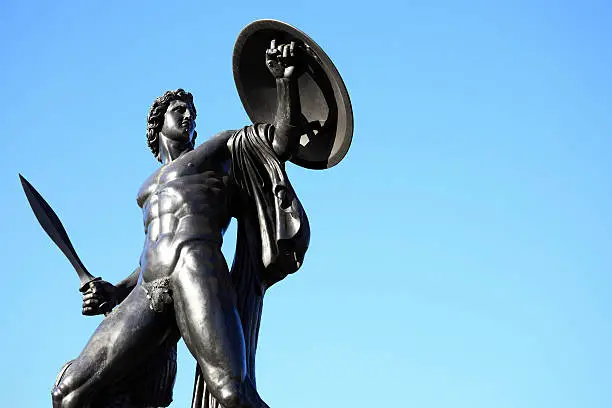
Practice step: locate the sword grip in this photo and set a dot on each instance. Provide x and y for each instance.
(105, 307)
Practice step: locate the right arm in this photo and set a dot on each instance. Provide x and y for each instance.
(125, 286)
(101, 291)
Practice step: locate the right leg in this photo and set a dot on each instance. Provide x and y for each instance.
(209, 323)
(124, 339)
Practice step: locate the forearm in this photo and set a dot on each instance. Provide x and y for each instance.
(125, 286)
(288, 116)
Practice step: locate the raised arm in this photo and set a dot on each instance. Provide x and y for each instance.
(281, 61)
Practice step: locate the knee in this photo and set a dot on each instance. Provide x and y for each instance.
(230, 394)
(65, 398)
(57, 395)
(62, 397)
(63, 393)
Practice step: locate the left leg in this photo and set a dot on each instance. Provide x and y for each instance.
(208, 321)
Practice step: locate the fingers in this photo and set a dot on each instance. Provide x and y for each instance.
(91, 307)
(272, 49)
(280, 59)
(92, 302)
(94, 297)
(92, 288)
(90, 310)
(284, 50)
(89, 295)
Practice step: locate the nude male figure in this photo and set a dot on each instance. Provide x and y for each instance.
(182, 287)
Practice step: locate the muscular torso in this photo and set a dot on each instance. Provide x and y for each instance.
(185, 200)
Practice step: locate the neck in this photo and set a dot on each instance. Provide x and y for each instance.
(170, 150)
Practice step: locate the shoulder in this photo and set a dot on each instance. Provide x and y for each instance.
(223, 136)
(211, 152)
(214, 145)
(220, 139)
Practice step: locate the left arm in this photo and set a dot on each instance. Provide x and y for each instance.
(281, 63)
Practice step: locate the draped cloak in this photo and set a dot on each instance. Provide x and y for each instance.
(273, 236)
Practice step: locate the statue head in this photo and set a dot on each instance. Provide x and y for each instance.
(172, 114)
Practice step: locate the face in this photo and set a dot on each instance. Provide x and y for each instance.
(179, 123)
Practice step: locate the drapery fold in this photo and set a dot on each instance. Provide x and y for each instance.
(273, 236)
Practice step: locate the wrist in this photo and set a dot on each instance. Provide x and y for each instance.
(120, 292)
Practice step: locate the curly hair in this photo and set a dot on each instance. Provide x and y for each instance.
(155, 119)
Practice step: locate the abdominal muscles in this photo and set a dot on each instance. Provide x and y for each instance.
(177, 213)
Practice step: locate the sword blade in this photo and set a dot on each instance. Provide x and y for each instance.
(52, 225)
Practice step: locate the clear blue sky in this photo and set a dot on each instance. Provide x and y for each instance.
(461, 254)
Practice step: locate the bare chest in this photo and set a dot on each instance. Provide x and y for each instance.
(184, 187)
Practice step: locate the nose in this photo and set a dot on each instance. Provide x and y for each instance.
(187, 114)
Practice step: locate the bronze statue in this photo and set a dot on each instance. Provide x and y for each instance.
(183, 287)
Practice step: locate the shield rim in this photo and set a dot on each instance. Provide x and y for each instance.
(326, 64)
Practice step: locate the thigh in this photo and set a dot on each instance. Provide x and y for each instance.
(124, 339)
(206, 315)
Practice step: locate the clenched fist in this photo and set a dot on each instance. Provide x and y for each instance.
(281, 59)
(99, 298)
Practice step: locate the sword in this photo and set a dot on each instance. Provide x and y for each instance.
(52, 225)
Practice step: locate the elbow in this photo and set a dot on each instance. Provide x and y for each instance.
(282, 150)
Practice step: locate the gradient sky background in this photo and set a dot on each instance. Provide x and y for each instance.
(460, 255)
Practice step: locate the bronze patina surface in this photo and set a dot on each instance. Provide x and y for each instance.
(183, 287)
(327, 116)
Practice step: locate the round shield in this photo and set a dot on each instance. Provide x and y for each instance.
(326, 108)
